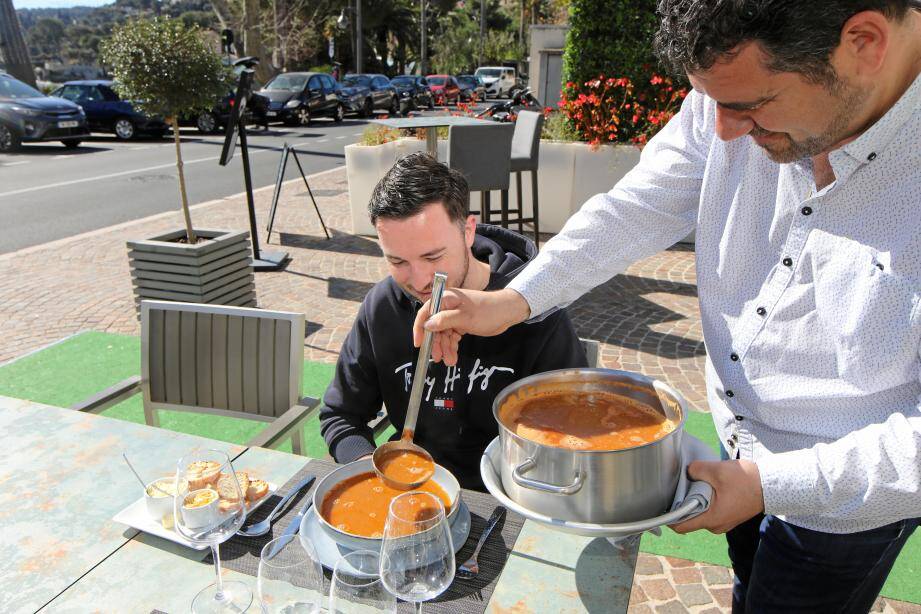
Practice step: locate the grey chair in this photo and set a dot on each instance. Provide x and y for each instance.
(525, 156)
(482, 154)
(227, 361)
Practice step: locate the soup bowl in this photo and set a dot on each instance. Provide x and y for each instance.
(592, 486)
(442, 477)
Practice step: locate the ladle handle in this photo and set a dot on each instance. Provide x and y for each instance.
(422, 362)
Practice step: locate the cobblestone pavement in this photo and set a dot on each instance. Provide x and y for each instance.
(646, 319)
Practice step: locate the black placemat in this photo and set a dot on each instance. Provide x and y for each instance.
(462, 597)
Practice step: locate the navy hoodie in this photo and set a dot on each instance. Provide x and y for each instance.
(455, 422)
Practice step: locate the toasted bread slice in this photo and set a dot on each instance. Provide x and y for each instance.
(257, 489)
(226, 489)
(202, 474)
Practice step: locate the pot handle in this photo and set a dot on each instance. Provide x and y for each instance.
(527, 465)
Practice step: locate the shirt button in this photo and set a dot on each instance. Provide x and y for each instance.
(730, 394)
(871, 157)
(761, 311)
(806, 210)
(787, 261)
(730, 443)
(739, 418)
(733, 357)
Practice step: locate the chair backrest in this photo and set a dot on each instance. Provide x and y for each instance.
(526, 141)
(592, 352)
(236, 360)
(482, 153)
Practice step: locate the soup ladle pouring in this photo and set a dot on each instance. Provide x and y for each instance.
(404, 447)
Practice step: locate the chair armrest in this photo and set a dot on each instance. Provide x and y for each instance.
(110, 396)
(291, 420)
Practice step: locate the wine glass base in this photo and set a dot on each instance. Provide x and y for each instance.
(236, 597)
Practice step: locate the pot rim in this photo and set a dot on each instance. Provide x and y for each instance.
(582, 371)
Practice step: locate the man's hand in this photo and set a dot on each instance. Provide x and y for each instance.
(737, 495)
(468, 312)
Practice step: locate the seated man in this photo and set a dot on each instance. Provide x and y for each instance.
(420, 211)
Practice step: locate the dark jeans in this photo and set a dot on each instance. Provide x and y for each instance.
(780, 567)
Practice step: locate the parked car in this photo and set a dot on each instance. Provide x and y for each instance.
(215, 119)
(383, 95)
(499, 80)
(301, 97)
(472, 88)
(27, 115)
(107, 112)
(421, 92)
(444, 88)
(355, 97)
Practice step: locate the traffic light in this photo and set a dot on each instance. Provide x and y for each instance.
(227, 41)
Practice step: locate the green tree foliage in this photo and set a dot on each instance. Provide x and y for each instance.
(611, 37)
(165, 68)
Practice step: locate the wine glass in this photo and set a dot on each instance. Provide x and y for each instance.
(209, 508)
(417, 554)
(356, 586)
(290, 577)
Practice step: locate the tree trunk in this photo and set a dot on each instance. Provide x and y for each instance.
(253, 43)
(189, 232)
(14, 55)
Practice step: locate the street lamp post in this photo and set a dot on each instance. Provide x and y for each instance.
(343, 23)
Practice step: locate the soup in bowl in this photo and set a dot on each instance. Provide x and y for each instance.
(352, 502)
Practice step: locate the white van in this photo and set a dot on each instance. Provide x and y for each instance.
(499, 80)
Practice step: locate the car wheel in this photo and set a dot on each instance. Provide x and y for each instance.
(368, 109)
(71, 143)
(340, 114)
(303, 116)
(394, 106)
(124, 129)
(206, 122)
(9, 140)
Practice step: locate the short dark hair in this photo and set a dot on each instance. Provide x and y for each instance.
(798, 35)
(415, 181)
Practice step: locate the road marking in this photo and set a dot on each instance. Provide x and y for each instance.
(140, 148)
(62, 156)
(121, 174)
(356, 134)
(323, 141)
(340, 137)
(15, 163)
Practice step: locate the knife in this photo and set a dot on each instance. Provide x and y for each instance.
(292, 529)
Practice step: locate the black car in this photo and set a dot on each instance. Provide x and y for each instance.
(216, 118)
(27, 115)
(301, 97)
(421, 93)
(383, 96)
(107, 112)
(472, 88)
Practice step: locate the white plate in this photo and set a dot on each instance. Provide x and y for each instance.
(490, 474)
(330, 552)
(135, 515)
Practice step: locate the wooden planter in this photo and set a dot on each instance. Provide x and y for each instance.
(216, 271)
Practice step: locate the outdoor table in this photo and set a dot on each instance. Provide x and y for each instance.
(431, 123)
(64, 479)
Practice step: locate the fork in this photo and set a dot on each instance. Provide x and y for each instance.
(471, 568)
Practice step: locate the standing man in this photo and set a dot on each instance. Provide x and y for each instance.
(420, 211)
(798, 158)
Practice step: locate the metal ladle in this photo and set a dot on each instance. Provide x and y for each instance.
(405, 442)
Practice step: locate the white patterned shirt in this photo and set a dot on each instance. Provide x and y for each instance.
(810, 302)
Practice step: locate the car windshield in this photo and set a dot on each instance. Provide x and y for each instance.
(488, 72)
(435, 80)
(469, 81)
(402, 80)
(353, 80)
(10, 88)
(289, 83)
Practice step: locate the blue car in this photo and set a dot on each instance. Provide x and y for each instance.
(106, 112)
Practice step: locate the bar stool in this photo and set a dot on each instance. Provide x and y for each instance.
(482, 153)
(525, 156)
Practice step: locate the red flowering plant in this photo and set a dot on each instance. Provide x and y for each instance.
(611, 109)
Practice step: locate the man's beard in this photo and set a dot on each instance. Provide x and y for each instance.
(849, 100)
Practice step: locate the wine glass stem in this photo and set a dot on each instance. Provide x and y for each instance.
(219, 582)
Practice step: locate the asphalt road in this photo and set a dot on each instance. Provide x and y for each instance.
(48, 192)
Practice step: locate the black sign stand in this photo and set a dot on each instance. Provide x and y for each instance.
(279, 178)
(236, 126)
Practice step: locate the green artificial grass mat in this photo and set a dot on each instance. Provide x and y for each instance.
(82, 365)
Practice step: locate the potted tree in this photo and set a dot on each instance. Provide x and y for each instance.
(166, 69)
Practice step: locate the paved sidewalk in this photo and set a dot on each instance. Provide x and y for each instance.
(647, 320)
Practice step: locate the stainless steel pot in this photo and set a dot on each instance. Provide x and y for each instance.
(598, 486)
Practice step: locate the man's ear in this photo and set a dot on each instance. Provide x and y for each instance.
(865, 40)
(469, 230)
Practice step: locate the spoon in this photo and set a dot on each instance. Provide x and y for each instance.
(261, 528)
(143, 483)
(405, 443)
